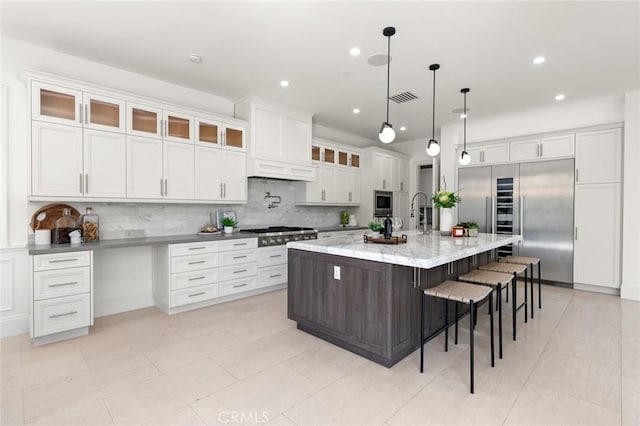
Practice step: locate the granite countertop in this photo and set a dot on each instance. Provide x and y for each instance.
(423, 251)
(134, 242)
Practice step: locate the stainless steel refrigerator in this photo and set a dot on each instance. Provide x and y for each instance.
(532, 199)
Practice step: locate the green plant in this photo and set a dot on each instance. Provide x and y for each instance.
(344, 218)
(445, 199)
(375, 226)
(468, 225)
(227, 221)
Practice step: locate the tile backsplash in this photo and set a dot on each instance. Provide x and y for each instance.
(122, 220)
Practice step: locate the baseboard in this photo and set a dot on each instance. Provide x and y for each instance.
(117, 305)
(597, 289)
(630, 292)
(14, 325)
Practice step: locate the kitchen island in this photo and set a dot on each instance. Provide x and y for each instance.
(365, 297)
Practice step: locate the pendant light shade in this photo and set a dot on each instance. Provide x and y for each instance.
(387, 134)
(465, 158)
(433, 147)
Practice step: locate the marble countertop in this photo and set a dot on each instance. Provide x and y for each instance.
(338, 228)
(134, 242)
(423, 251)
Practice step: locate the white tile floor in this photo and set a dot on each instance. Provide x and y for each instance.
(577, 362)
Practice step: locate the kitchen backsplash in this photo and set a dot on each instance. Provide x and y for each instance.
(122, 220)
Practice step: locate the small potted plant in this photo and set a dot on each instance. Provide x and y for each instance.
(472, 229)
(228, 224)
(376, 226)
(344, 218)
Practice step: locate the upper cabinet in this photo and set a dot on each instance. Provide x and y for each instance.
(599, 156)
(212, 133)
(155, 122)
(280, 140)
(542, 149)
(56, 104)
(486, 154)
(390, 172)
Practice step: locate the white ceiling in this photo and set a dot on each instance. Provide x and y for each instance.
(592, 50)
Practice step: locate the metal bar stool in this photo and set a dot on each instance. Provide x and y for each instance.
(529, 261)
(496, 280)
(511, 268)
(463, 293)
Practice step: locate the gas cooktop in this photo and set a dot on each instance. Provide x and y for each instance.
(281, 230)
(280, 235)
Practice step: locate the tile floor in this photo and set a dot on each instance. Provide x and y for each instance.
(577, 362)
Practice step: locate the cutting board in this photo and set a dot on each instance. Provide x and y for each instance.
(53, 212)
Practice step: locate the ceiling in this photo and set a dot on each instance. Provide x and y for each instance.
(592, 50)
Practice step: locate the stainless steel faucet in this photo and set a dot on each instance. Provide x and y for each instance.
(424, 218)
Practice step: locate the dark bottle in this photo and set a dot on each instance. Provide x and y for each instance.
(64, 225)
(388, 227)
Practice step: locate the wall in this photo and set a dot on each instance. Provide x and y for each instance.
(630, 288)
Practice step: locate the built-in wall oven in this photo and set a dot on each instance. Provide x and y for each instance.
(382, 203)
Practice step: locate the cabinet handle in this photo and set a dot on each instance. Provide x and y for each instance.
(576, 175)
(384, 184)
(541, 150)
(166, 192)
(197, 294)
(538, 150)
(197, 248)
(575, 236)
(224, 186)
(239, 257)
(224, 139)
(195, 263)
(239, 285)
(240, 244)
(64, 284)
(196, 278)
(221, 190)
(274, 276)
(401, 186)
(166, 128)
(86, 183)
(86, 114)
(275, 255)
(63, 315)
(522, 216)
(80, 113)
(349, 195)
(161, 189)
(239, 271)
(81, 184)
(63, 260)
(326, 236)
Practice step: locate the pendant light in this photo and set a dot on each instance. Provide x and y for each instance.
(387, 134)
(433, 148)
(465, 158)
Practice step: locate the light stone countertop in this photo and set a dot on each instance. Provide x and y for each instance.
(423, 251)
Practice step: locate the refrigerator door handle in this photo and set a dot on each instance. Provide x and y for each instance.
(493, 214)
(487, 207)
(522, 216)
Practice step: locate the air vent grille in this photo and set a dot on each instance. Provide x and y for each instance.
(403, 97)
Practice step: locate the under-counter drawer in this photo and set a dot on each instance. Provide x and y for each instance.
(272, 256)
(237, 286)
(72, 259)
(61, 282)
(326, 235)
(194, 278)
(239, 244)
(272, 275)
(237, 271)
(194, 262)
(194, 294)
(227, 258)
(194, 248)
(61, 314)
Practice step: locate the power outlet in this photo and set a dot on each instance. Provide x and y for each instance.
(336, 272)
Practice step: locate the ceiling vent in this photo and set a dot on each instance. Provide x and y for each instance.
(403, 97)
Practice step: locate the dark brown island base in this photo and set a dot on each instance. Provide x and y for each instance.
(372, 307)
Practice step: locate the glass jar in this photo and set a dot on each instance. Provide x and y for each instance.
(90, 226)
(64, 225)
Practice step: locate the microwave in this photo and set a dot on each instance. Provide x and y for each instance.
(382, 203)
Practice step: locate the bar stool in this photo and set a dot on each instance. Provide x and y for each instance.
(511, 268)
(463, 293)
(496, 280)
(529, 261)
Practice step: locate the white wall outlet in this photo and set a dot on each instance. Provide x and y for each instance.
(336, 272)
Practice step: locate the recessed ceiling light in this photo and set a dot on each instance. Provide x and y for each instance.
(539, 60)
(402, 129)
(560, 96)
(196, 59)
(284, 83)
(354, 51)
(356, 110)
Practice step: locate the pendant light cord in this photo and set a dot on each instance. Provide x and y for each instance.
(433, 108)
(388, 72)
(465, 122)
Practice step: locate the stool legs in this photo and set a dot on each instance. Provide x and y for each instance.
(539, 287)
(493, 363)
(471, 332)
(513, 305)
(532, 298)
(446, 325)
(422, 304)
(526, 302)
(456, 333)
(499, 303)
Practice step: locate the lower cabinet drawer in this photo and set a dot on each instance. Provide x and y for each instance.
(193, 262)
(236, 257)
(193, 279)
(271, 256)
(61, 314)
(272, 275)
(73, 259)
(194, 294)
(237, 286)
(61, 282)
(237, 271)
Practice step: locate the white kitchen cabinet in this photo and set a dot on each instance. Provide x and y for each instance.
(214, 133)
(144, 168)
(103, 113)
(486, 154)
(105, 164)
(280, 139)
(543, 149)
(61, 303)
(56, 104)
(334, 186)
(353, 186)
(599, 156)
(178, 127)
(178, 170)
(144, 120)
(382, 168)
(220, 175)
(597, 239)
(401, 176)
(56, 160)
